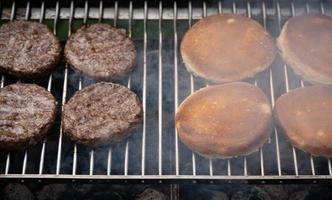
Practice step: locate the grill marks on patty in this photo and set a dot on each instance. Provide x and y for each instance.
(28, 49)
(101, 113)
(27, 112)
(101, 51)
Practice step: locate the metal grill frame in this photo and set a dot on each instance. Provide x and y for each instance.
(158, 14)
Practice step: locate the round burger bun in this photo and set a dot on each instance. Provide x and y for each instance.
(305, 116)
(224, 121)
(226, 48)
(305, 43)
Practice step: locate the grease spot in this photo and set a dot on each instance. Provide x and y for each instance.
(320, 133)
(266, 108)
(298, 113)
(230, 21)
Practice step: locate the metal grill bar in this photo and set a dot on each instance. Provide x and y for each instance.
(234, 10)
(307, 7)
(24, 166)
(260, 150)
(204, 9)
(160, 86)
(75, 146)
(322, 10)
(204, 14)
(229, 170)
(74, 160)
(176, 85)
(261, 154)
(27, 11)
(109, 156)
(211, 167)
(101, 10)
(7, 164)
(25, 159)
(192, 85)
(144, 86)
(172, 178)
(160, 16)
(49, 87)
(272, 96)
(219, 7)
(109, 161)
(312, 164)
(92, 153)
(2, 84)
(245, 171)
(286, 83)
(116, 13)
(64, 93)
(126, 158)
(12, 17)
(122, 13)
(129, 86)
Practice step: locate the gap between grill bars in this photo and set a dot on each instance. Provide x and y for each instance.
(170, 24)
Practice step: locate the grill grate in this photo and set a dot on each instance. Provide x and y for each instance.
(155, 152)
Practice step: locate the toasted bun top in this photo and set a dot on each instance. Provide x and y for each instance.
(227, 47)
(305, 114)
(225, 120)
(306, 45)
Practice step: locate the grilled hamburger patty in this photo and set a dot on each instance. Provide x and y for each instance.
(225, 120)
(101, 113)
(28, 49)
(305, 115)
(27, 112)
(227, 47)
(101, 51)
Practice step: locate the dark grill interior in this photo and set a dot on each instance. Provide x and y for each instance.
(162, 82)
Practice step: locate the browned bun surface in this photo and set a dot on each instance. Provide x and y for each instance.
(101, 114)
(28, 49)
(27, 112)
(101, 51)
(225, 120)
(305, 115)
(227, 47)
(306, 45)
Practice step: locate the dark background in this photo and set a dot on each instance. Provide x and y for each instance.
(223, 191)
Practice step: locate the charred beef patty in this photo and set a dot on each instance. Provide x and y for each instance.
(102, 113)
(27, 112)
(101, 51)
(28, 49)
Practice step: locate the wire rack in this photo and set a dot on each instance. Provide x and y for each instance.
(154, 152)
